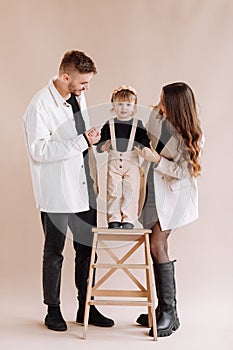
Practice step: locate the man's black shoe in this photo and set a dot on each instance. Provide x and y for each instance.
(95, 317)
(54, 320)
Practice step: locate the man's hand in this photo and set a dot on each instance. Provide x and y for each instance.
(93, 135)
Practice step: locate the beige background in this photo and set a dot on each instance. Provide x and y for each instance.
(147, 44)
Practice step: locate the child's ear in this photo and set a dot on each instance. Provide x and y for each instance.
(113, 109)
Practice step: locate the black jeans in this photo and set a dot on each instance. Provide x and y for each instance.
(55, 230)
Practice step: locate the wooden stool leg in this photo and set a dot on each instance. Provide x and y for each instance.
(89, 285)
(150, 323)
(151, 310)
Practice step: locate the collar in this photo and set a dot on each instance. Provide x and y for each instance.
(57, 97)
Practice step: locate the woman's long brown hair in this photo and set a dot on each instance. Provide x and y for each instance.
(181, 112)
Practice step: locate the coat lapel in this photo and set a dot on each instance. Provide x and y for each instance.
(154, 128)
(170, 149)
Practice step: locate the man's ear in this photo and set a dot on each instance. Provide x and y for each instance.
(65, 77)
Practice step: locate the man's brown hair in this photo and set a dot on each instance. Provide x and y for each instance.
(77, 60)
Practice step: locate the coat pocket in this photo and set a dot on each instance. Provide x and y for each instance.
(177, 185)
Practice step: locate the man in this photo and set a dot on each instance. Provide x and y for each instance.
(59, 141)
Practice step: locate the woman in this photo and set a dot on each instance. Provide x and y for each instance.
(171, 166)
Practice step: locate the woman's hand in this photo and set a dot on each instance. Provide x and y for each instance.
(106, 146)
(148, 154)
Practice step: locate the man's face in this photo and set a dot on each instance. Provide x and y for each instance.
(78, 82)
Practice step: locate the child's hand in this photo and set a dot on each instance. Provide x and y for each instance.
(106, 146)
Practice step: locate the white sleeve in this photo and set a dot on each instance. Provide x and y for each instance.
(178, 170)
(173, 169)
(41, 145)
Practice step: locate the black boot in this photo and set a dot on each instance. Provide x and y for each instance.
(168, 320)
(54, 319)
(143, 318)
(81, 277)
(95, 317)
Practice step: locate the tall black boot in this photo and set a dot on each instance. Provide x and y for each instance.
(168, 320)
(82, 264)
(143, 318)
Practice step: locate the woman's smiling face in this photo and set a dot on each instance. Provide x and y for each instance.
(161, 105)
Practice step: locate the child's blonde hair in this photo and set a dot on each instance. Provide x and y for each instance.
(124, 93)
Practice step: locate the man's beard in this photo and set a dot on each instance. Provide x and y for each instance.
(73, 91)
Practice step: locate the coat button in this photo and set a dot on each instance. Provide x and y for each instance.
(120, 160)
(81, 166)
(120, 166)
(84, 183)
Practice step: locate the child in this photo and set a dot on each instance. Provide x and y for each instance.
(118, 138)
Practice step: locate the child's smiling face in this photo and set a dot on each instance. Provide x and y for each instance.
(124, 109)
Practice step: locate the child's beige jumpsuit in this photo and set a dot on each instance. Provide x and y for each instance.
(123, 182)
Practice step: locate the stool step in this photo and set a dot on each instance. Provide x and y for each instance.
(120, 293)
(120, 237)
(121, 266)
(120, 230)
(120, 302)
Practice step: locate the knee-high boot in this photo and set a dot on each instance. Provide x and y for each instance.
(167, 320)
(143, 318)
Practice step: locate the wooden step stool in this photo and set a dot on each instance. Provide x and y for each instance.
(139, 237)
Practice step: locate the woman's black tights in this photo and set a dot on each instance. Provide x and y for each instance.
(158, 244)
